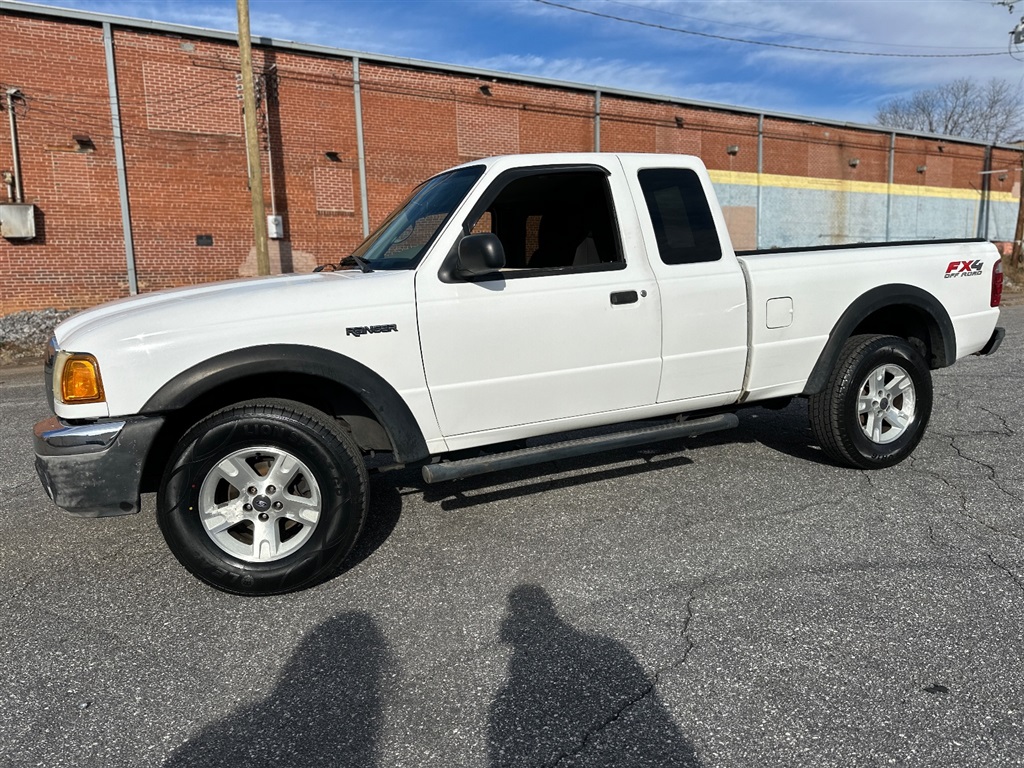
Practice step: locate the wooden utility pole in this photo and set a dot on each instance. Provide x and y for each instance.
(259, 212)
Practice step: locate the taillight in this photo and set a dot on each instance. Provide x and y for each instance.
(997, 283)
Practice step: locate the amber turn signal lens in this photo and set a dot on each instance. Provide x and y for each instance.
(80, 382)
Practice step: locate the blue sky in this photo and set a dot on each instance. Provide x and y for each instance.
(529, 37)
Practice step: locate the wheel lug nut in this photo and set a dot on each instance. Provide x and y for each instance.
(264, 517)
(278, 505)
(247, 507)
(271, 489)
(251, 490)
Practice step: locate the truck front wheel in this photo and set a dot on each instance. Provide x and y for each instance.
(875, 405)
(263, 497)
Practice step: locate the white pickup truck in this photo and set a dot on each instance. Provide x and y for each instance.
(508, 298)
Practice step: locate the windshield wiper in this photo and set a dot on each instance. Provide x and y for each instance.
(348, 261)
(363, 264)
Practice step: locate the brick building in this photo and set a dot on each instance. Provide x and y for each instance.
(346, 135)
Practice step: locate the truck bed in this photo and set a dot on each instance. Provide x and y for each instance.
(844, 246)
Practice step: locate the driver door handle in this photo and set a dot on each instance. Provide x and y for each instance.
(625, 297)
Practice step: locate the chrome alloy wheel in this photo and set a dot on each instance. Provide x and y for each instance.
(260, 504)
(886, 403)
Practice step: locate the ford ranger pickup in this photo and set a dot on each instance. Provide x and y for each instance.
(509, 298)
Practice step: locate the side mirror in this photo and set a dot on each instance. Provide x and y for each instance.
(479, 255)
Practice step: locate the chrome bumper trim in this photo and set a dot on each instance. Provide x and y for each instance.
(58, 437)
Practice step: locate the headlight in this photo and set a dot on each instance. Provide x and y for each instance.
(77, 378)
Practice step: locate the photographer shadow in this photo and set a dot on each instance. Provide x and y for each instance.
(326, 708)
(572, 695)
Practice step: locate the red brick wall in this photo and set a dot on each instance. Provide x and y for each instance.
(185, 155)
(187, 164)
(77, 258)
(409, 127)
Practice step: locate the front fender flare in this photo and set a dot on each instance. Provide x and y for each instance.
(379, 396)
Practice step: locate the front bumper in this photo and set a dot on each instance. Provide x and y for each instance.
(94, 470)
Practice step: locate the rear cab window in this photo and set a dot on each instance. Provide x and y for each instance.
(684, 228)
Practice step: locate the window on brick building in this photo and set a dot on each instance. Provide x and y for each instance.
(554, 220)
(683, 226)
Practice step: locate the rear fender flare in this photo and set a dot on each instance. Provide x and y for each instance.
(943, 335)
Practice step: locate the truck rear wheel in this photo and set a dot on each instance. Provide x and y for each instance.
(263, 497)
(875, 405)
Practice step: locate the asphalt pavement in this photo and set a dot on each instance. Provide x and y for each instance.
(728, 600)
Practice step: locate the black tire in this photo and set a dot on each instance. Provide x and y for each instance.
(287, 538)
(842, 430)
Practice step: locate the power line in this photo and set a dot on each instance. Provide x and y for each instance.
(764, 43)
(797, 34)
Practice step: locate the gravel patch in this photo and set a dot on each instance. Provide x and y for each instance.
(23, 335)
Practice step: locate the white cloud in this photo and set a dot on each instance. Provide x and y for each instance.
(297, 21)
(608, 73)
(209, 15)
(527, 37)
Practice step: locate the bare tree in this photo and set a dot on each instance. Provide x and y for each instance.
(990, 111)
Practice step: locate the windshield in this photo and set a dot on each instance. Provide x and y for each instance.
(401, 241)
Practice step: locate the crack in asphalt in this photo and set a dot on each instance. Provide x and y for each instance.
(962, 496)
(805, 507)
(646, 691)
(942, 479)
(698, 522)
(980, 463)
(13, 596)
(866, 474)
(1007, 429)
(877, 494)
(869, 476)
(22, 486)
(1013, 577)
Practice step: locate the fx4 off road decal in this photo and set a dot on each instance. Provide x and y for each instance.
(361, 330)
(964, 268)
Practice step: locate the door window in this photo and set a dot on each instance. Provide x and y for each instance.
(554, 222)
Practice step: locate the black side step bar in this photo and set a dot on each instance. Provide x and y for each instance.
(455, 470)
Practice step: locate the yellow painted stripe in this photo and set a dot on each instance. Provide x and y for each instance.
(848, 185)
